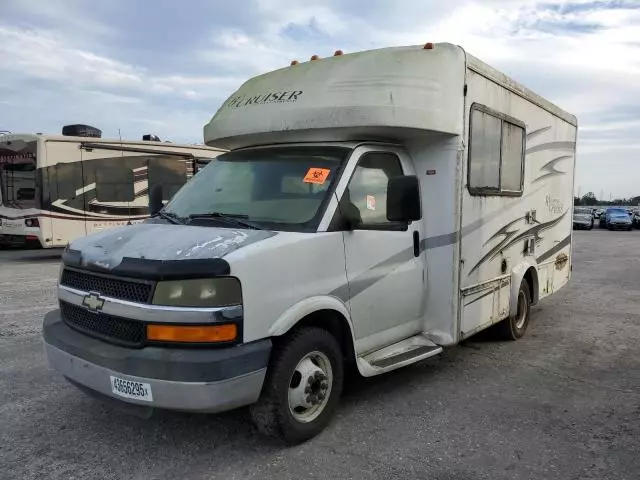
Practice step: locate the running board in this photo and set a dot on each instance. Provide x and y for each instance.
(398, 355)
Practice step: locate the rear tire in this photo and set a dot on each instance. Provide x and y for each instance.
(302, 388)
(514, 328)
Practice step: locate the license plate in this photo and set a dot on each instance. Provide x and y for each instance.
(128, 389)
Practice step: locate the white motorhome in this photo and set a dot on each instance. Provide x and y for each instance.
(55, 188)
(374, 208)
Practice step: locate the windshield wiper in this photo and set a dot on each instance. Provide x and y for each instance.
(236, 219)
(170, 217)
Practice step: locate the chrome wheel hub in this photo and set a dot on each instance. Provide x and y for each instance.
(310, 387)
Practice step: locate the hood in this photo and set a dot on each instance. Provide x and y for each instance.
(163, 242)
(620, 216)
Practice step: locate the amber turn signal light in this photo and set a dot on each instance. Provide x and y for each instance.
(192, 333)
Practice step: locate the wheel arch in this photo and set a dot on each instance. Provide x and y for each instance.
(527, 270)
(326, 312)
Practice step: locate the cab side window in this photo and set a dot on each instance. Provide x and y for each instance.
(364, 202)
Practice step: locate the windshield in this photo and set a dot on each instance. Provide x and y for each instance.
(17, 178)
(283, 188)
(582, 211)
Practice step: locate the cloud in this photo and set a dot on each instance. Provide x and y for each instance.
(167, 67)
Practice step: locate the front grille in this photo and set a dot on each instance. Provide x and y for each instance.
(123, 331)
(129, 290)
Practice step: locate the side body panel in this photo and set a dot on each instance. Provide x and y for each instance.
(502, 236)
(288, 276)
(437, 163)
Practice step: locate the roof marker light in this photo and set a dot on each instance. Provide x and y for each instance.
(294, 62)
(337, 53)
(314, 57)
(428, 46)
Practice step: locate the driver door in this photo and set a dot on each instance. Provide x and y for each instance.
(386, 273)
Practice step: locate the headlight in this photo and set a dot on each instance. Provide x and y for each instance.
(205, 292)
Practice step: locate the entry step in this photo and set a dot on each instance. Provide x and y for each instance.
(408, 355)
(398, 355)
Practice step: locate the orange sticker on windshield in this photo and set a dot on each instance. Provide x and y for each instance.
(316, 175)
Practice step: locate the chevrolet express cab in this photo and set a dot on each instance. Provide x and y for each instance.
(372, 209)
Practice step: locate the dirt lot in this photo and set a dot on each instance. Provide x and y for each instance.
(562, 403)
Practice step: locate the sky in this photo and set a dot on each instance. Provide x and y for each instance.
(164, 67)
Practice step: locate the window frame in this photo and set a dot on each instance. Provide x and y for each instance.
(337, 222)
(488, 191)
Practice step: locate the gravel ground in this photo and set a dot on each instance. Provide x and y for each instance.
(562, 403)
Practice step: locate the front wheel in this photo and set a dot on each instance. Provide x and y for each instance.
(302, 388)
(513, 328)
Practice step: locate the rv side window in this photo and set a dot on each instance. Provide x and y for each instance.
(512, 157)
(365, 200)
(115, 184)
(496, 154)
(484, 167)
(68, 180)
(169, 172)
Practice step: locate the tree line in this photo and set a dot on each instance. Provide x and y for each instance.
(589, 199)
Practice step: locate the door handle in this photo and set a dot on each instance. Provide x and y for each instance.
(416, 244)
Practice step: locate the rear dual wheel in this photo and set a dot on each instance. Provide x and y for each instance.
(513, 328)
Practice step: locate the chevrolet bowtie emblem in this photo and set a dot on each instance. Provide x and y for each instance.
(93, 302)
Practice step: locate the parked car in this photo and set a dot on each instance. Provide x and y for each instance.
(582, 218)
(616, 219)
(635, 219)
(598, 212)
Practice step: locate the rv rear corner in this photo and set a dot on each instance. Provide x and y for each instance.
(351, 223)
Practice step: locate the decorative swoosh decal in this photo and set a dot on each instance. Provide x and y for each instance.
(551, 146)
(537, 132)
(507, 232)
(513, 237)
(550, 168)
(552, 251)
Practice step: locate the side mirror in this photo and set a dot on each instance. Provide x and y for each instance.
(403, 199)
(155, 200)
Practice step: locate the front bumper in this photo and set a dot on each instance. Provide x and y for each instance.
(618, 226)
(18, 240)
(194, 380)
(581, 224)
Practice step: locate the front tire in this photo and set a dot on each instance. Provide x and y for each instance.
(514, 328)
(302, 388)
